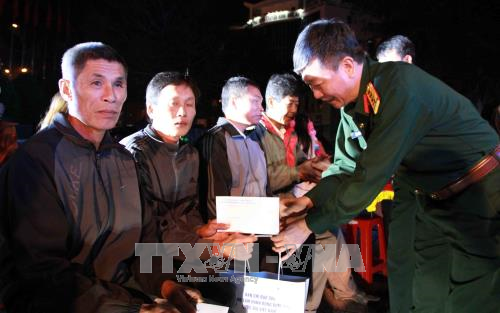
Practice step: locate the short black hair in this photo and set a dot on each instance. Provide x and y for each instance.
(163, 79)
(329, 41)
(282, 85)
(402, 44)
(235, 87)
(74, 59)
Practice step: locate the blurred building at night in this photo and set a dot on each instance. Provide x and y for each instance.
(154, 36)
(267, 38)
(214, 40)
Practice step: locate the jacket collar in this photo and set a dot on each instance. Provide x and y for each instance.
(254, 132)
(153, 134)
(229, 127)
(62, 124)
(269, 125)
(357, 107)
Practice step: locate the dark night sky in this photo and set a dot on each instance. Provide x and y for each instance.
(160, 35)
(449, 35)
(458, 41)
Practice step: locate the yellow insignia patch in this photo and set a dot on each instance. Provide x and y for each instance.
(373, 97)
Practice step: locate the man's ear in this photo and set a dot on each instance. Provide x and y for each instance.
(270, 103)
(65, 89)
(408, 59)
(150, 110)
(347, 64)
(233, 104)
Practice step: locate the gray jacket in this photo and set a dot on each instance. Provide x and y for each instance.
(231, 165)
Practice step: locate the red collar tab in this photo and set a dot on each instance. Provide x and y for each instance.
(371, 97)
(366, 106)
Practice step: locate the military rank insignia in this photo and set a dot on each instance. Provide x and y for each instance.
(371, 96)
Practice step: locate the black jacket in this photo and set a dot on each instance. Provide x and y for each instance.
(69, 220)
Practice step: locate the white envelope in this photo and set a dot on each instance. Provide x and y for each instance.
(252, 215)
(211, 308)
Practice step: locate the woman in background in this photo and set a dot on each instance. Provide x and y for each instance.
(57, 105)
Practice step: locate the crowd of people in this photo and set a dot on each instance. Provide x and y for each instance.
(75, 201)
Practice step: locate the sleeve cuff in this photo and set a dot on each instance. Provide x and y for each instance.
(321, 217)
(323, 191)
(317, 223)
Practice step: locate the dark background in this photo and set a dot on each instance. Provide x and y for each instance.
(457, 41)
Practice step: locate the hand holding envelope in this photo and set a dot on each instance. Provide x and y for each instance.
(294, 228)
(291, 237)
(211, 230)
(251, 215)
(238, 245)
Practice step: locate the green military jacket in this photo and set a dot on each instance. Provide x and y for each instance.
(424, 132)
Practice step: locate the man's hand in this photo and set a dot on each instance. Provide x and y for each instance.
(243, 246)
(210, 230)
(180, 297)
(321, 163)
(308, 173)
(310, 170)
(294, 206)
(291, 238)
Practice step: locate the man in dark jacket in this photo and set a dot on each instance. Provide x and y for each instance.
(168, 176)
(70, 206)
(395, 118)
(167, 165)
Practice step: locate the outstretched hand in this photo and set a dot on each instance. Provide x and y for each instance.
(292, 237)
(237, 245)
(311, 170)
(240, 246)
(294, 206)
(180, 297)
(211, 230)
(321, 163)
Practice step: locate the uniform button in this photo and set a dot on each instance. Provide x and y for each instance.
(361, 125)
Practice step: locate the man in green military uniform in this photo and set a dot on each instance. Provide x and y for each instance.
(398, 119)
